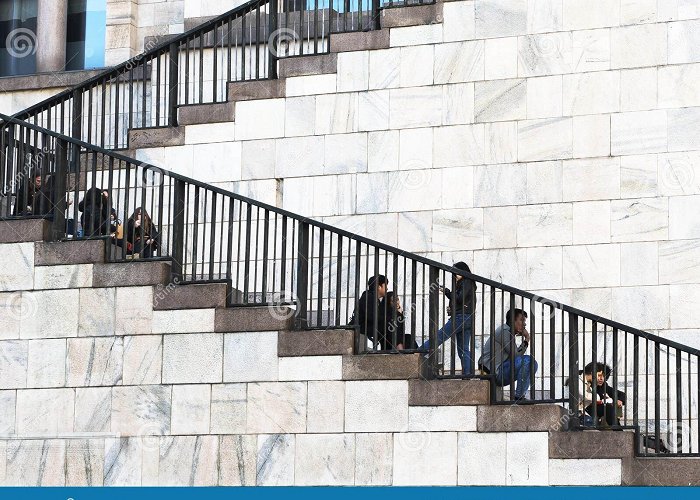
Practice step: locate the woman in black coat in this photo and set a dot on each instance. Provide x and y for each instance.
(396, 336)
(141, 234)
(95, 212)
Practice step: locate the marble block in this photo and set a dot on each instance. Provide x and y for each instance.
(309, 85)
(638, 176)
(545, 54)
(500, 227)
(544, 268)
(8, 401)
(591, 50)
(527, 455)
(45, 412)
(591, 179)
(276, 457)
(74, 276)
(590, 266)
(641, 219)
(416, 67)
(678, 261)
(416, 149)
(190, 411)
(85, 460)
(23, 457)
(261, 119)
(415, 231)
(228, 408)
(544, 97)
(591, 135)
(94, 361)
(414, 190)
(17, 271)
(584, 14)
(324, 460)
(458, 229)
(501, 58)
(415, 107)
(373, 110)
(684, 313)
(683, 129)
(97, 312)
(636, 46)
(472, 469)
(647, 263)
(639, 89)
(143, 359)
(459, 62)
(384, 68)
(591, 222)
(500, 185)
(500, 100)
(374, 459)
(683, 42)
(679, 173)
(567, 472)
(14, 362)
(376, 406)
(458, 145)
(638, 11)
(544, 182)
(415, 453)
(123, 462)
(250, 357)
(546, 139)
(457, 104)
(135, 306)
(188, 461)
(507, 265)
(183, 321)
(335, 114)
(458, 21)
(543, 225)
(238, 460)
(193, 358)
(544, 16)
(46, 365)
(305, 368)
(345, 153)
(50, 313)
(441, 418)
(457, 187)
(415, 35)
(642, 307)
(680, 225)
(276, 407)
(325, 406)
(638, 132)
(258, 157)
(141, 410)
(93, 409)
(12, 306)
(590, 93)
(500, 18)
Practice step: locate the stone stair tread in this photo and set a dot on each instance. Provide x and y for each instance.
(247, 318)
(381, 367)
(190, 296)
(661, 471)
(591, 444)
(256, 89)
(24, 230)
(133, 273)
(69, 252)
(196, 114)
(153, 137)
(314, 343)
(519, 418)
(448, 392)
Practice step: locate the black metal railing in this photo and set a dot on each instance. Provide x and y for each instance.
(196, 67)
(274, 257)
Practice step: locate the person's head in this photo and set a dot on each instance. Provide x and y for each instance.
(603, 371)
(379, 284)
(462, 266)
(37, 181)
(142, 215)
(518, 321)
(113, 215)
(393, 300)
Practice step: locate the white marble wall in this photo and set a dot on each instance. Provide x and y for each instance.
(561, 136)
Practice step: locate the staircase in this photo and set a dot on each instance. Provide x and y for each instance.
(257, 300)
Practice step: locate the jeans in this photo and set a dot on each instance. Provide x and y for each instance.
(521, 372)
(461, 324)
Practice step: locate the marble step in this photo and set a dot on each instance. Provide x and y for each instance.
(520, 418)
(253, 319)
(591, 444)
(448, 392)
(155, 137)
(24, 230)
(133, 273)
(381, 367)
(69, 252)
(314, 343)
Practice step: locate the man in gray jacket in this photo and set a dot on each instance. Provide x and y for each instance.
(501, 353)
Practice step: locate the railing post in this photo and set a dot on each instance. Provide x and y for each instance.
(178, 249)
(271, 39)
(433, 320)
(77, 122)
(58, 197)
(302, 276)
(173, 80)
(573, 371)
(376, 21)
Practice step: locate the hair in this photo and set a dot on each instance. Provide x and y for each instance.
(376, 281)
(600, 367)
(517, 312)
(390, 299)
(462, 266)
(147, 223)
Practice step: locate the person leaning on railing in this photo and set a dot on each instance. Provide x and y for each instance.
(497, 353)
(460, 310)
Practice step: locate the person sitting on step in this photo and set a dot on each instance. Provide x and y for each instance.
(607, 409)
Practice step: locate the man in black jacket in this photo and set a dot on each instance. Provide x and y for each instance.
(460, 310)
(369, 314)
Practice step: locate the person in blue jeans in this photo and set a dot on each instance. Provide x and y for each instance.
(461, 308)
(497, 354)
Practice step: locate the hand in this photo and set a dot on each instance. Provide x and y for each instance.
(526, 335)
(149, 241)
(137, 223)
(399, 347)
(441, 288)
(105, 194)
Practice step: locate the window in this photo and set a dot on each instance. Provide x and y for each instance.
(17, 37)
(85, 37)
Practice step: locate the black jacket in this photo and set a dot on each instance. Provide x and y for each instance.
(463, 298)
(95, 213)
(369, 309)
